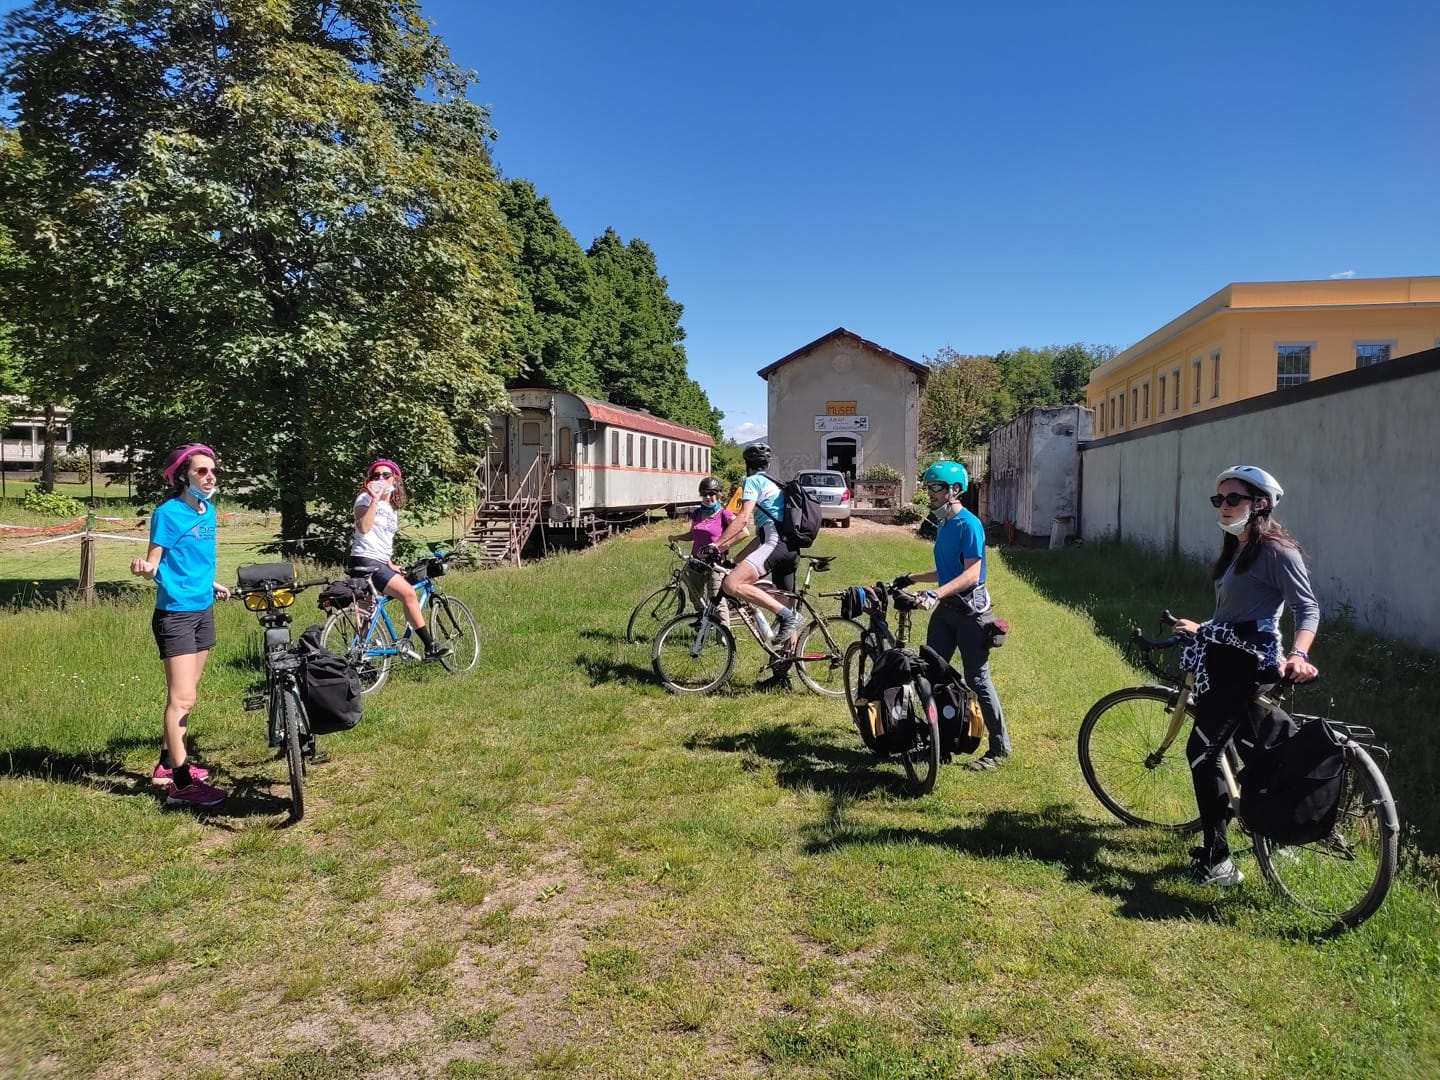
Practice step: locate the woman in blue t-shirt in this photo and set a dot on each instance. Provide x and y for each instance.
(181, 562)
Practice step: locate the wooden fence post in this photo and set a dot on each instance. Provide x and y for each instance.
(87, 558)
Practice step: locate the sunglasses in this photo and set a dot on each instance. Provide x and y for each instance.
(381, 474)
(1232, 499)
(937, 487)
(203, 470)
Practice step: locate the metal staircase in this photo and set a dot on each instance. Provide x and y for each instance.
(504, 522)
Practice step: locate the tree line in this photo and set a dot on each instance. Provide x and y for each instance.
(966, 397)
(279, 228)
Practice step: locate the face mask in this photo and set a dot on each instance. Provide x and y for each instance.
(944, 512)
(1234, 528)
(202, 494)
(710, 505)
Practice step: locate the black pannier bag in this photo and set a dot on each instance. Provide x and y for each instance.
(882, 703)
(956, 707)
(1292, 781)
(329, 686)
(343, 592)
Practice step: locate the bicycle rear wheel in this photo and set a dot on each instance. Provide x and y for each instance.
(452, 624)
(1344, 877)
(657, 609)
(371, 655)
(689, 662)
(1120, 755)
(293, 721)
(921, 756)
(858, 662)
(820, 655)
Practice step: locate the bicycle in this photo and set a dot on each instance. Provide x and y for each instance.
(660, 605)
(695, 653)
(269, 590)
(918, 747)
(364, 634)
(1128, 756)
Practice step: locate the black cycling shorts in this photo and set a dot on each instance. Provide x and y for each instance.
(180, 633)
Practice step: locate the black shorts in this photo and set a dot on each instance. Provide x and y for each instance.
(180, 633)
(378, 573)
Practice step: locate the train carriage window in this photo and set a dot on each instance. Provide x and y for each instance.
(614, 448)
(565, 447)
(584, 442)
(530, 433)
(643, 441)
(629, 449)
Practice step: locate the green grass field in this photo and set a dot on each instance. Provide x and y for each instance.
(551, 867)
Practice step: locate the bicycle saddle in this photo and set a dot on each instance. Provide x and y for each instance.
(821, 562)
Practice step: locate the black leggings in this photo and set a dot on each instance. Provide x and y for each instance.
(1235, 682)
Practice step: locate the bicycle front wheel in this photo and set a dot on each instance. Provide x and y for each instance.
(1344, 877)
(689, 661)
(370, 655)
(921, 756)
(657, 609)
(1125, 766)
(858, 662)
(820, 655)
(452, 624)
(290, 706)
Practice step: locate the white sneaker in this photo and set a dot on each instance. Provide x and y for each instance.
(1224, 874)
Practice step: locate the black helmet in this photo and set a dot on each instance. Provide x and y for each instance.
(709, 486)
(757, 456)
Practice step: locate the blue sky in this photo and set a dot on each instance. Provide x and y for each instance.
(932, 174)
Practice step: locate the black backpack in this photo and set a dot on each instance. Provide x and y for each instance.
(329, 686)
(1291, 784)
(800, 519)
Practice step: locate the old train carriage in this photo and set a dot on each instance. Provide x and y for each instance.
(575, 464)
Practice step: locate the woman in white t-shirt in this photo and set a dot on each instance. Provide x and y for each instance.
(377, 518)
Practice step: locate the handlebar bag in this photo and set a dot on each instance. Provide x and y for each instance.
(256, 576)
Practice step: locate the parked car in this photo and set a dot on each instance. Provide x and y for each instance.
(833, 494)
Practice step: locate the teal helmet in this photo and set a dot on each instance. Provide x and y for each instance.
(946, 472)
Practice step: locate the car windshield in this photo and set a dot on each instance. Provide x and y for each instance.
(821, 479)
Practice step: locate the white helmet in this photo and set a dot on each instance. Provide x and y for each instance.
(1255, 477)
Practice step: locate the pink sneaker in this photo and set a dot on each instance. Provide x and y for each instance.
(165, 772)
(197, 794)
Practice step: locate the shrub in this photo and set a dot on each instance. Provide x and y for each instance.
(906, 514)
(52, 503)
(74, 462)
(882, 472)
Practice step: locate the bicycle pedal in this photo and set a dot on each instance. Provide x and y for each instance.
(255, 702)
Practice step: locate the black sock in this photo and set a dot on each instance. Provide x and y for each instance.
(423, 633)
(182, 778)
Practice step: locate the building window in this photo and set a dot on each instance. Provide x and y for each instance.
(1292, 366)
(1369, 353)
(1196, 365)
(1214, 376)
(1134, 405)
(1161, 410)
(1175, 381)
(1145, 398)
(1122, 410)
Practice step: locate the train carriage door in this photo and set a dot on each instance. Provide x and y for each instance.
(564, 470)
(530, 434)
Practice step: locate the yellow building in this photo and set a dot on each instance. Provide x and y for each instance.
(1253, 338)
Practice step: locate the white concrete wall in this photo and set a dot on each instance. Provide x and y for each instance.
(1358, 468)
(1034, 469)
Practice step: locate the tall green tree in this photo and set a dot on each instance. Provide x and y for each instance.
(270, 225)
(555, 324)
(965, 397)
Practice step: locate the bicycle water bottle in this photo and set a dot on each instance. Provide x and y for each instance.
(766, 633)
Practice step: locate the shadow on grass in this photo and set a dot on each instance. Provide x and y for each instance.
(809, 762)
(611, 637)
(601, 669)
(104, 771)
(50, 592)
(1058, 836)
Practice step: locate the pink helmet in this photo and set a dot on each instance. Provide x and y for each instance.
(177, 458)
(384, 461)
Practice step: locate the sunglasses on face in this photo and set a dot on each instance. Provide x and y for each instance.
(381, 474)
(203, 470)
(937, 487)
(1232, 499)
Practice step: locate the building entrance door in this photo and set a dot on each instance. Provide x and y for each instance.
(840, 452)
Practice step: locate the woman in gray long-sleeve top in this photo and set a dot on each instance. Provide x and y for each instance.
(1237, 653)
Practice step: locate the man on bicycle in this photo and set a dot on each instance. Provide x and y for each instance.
(761, 504)
(961, 603)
